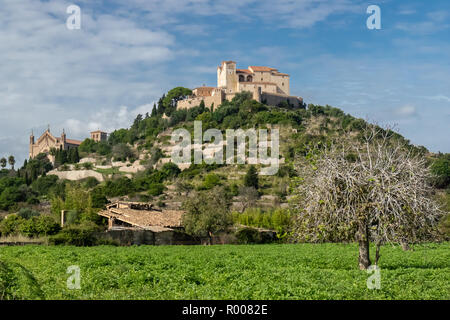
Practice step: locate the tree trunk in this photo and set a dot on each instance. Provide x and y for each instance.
(210, 238)
(377, 254)
(405, 246)
(364, 258)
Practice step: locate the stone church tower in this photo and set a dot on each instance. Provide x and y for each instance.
(47, 141)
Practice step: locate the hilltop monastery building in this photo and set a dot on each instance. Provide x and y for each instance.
(267, 85)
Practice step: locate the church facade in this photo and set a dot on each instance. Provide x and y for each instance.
(266, 84)
(47, 141)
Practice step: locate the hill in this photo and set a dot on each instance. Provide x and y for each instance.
(135, 163)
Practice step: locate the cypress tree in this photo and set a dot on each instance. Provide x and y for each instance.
(251, 177)
(27, 180)
(76, 156)
(202, 106)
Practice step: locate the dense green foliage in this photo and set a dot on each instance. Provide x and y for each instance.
(38, 225)
(12, 191)
(441, 169)
(34, 168)
(248, 235)
(279, 220)
(206, 213)
(302, 271)
(77, 235)
(90, 146)
(62, 156)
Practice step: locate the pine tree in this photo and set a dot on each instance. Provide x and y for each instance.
(154, 112)
(160, 110)
(251, 178)
(202, 106)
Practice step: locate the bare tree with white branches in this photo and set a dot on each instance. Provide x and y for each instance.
(372, 189)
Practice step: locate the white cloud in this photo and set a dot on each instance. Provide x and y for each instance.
(439, 97)
(280, 13)
(52, 75)
(436, 21)
(406, 111)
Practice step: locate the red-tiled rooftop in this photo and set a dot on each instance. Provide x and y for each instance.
(261, 69)
(243, 71)
(71, 141)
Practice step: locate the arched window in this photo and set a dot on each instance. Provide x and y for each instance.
(249, 78)
(241, 78)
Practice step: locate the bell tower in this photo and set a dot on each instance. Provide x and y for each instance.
(226, 76)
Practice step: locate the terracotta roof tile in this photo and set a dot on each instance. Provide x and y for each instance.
(77, 142)
(145, 218)
(261, 69)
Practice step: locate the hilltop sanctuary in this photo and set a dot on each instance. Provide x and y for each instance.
(267, 85)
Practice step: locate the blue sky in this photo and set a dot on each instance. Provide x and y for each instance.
(128, 53)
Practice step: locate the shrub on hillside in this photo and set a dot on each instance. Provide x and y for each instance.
(170, 170)
(42, 225)
(28, 213)
(441, 171)
(155, 189)
(44, 184)
(10, 225)
(39, 226)
(211, 180)
(252, 236)
(119, 187)
(98, 197)
(76, 235)
(122, 152)
(87, 165)
(89, 182)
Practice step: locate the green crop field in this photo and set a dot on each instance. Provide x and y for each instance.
(303, 271)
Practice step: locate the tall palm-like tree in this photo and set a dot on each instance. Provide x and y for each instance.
(3, 163)
(11, 161)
